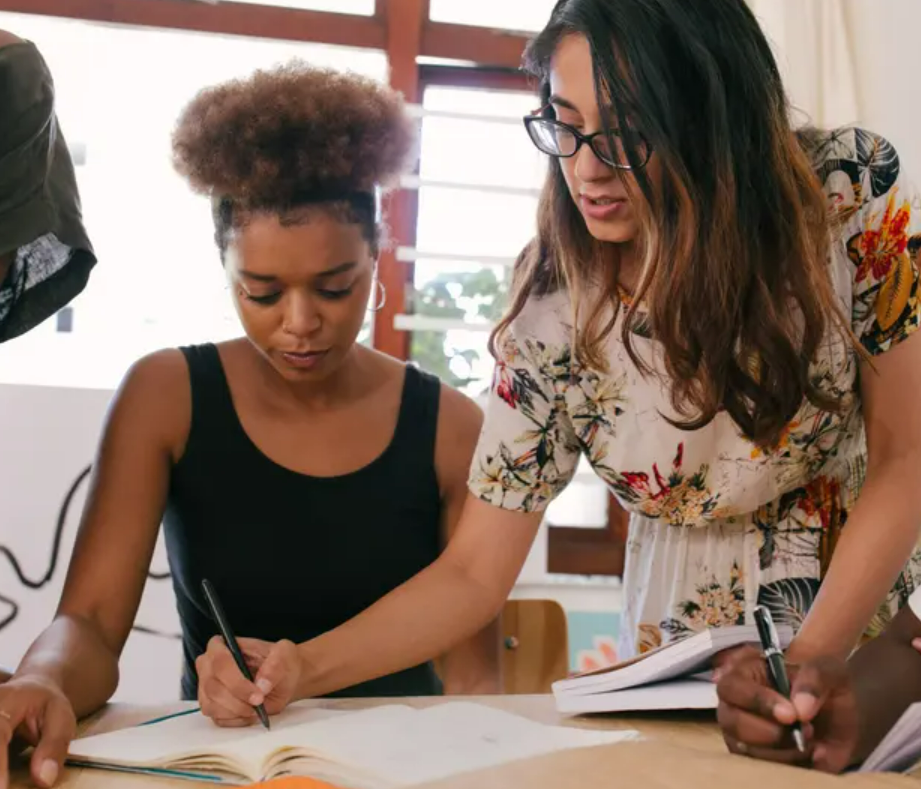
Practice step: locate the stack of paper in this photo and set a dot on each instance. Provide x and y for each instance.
(664, 678)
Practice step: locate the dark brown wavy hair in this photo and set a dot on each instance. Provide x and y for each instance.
(734, 245)
(293, 136)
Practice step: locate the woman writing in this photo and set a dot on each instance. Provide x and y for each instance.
(303, 474)
(720, 313)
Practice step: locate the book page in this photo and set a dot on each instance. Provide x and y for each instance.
(168, 741)
(398, 749)
(690, 694)
(676, 659)
(383, 746)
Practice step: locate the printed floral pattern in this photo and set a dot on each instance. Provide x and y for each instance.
(680, 499)
(717, 524)
(715, 604)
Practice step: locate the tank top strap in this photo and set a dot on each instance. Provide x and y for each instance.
(212, 404)
(417, 423)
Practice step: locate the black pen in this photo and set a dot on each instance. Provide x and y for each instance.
(217, 613)
(777, 670)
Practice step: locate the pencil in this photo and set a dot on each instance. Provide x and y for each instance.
(217, 612)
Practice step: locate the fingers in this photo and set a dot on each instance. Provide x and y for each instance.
(12, 715)
(228, 698)
(217, 662)
(225, 695)
(739, 726)
(789, 756)
(751, 729)
(58, 728)
(813, 682)
(278, 667)
(745, 688)
(6, 737)
(754, 718)
(48, 721)
(220, 704)
(254, 652)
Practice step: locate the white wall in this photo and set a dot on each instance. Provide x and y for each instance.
(886, 37)
(882, 40)
(48, 436)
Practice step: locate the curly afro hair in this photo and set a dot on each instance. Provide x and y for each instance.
(291, 136)
(291, 130)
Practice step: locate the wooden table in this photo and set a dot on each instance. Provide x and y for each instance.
(679, 750)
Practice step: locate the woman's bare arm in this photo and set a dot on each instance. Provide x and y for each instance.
(474, 665)
(144, 432)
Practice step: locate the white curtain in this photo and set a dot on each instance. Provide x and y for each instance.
(812, 44)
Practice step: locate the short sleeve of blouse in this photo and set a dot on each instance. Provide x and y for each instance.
(883, 246)
(527, 452)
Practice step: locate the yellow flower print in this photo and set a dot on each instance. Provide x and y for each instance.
(680, 499)
(782, 443)
(650, 637)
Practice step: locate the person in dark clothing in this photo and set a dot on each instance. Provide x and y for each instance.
(304, 474)
(45, 254)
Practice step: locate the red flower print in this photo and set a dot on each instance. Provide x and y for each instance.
(505, 387)
(636, 480)
(821, 497)
(877, 249)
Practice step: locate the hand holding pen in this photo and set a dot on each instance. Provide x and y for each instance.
(810, 720)
(777, 669)
(230, 641)
(278, 669)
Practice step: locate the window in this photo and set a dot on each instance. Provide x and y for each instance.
(159, 281)
(478, 191)
(523, 15)
(361, 7)
(479, 182)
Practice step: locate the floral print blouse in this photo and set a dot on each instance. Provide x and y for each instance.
(717, 526)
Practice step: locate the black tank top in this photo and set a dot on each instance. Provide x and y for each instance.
(293, 556)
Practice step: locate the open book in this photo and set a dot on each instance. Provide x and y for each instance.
(900, 749)
(669, 677)
(387, 746)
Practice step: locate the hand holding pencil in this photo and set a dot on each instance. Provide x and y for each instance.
(259, 681)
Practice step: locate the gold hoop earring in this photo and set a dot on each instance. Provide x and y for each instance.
(383, 297)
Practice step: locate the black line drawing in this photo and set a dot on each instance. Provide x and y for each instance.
(29, 583)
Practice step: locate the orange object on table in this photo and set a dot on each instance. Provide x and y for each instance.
(294, 782)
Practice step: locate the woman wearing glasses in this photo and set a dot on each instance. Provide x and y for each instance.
(717, 312)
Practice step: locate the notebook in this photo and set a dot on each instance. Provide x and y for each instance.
(900, 749)
(667, 678)
(388, 746)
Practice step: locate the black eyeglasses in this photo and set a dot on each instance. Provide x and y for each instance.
(562, 141)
